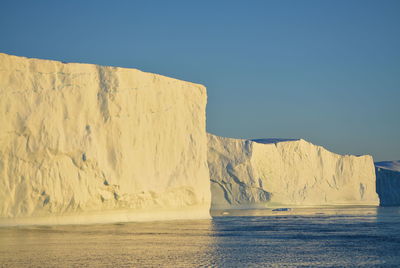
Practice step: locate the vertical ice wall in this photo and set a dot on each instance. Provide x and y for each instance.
(77, 139)
(388, 182)
(269, 173)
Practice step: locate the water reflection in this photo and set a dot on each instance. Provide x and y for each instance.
(180, 243)
(259, 238)
(339, 237)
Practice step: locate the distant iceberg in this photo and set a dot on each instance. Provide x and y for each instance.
(388, 182)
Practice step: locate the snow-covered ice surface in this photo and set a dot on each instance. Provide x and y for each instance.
(81, 143)
(276, 173)
(388, 182)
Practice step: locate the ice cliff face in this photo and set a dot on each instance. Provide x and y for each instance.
(77, 139)
(388, 182)
(273, 173)
(81, 143)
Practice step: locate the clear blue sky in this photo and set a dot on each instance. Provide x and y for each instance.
(327, 71)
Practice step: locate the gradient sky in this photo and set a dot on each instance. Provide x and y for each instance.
(327, 71)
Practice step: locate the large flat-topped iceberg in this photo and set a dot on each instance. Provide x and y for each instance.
(388, 182)
(273, 173)
(84, 143)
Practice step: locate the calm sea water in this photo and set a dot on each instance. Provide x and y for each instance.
(257, 238)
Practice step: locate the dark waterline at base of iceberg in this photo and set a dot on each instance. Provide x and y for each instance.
(323, 237)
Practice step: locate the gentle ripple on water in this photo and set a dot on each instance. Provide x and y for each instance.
(323, 238)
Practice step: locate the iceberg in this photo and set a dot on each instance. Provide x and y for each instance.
(82, 143)
(286, 173)
(388, 182)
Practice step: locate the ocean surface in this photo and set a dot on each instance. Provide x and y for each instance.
(320, 237)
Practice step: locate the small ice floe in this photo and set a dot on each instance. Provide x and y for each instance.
(282, 209)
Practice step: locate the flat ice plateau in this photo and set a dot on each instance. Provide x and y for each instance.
(81, 143)
(276, 172)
